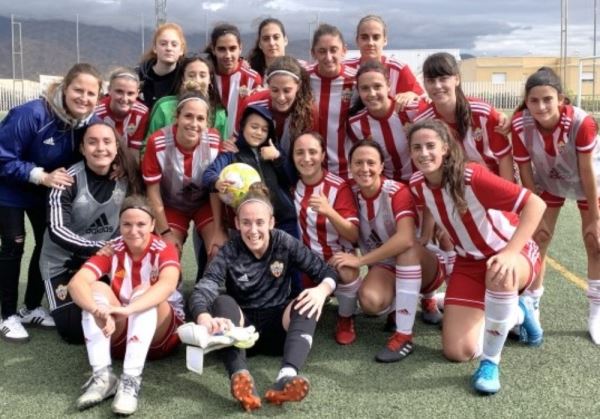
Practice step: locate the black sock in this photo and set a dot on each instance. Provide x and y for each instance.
(233, 358)
(298, 340)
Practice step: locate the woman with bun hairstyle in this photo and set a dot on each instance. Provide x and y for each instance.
(39, 140)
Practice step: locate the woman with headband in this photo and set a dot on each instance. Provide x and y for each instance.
(289, 99)
(135, 316)
(38, 141)
(175, 159)
(121, 109)
(254, 268)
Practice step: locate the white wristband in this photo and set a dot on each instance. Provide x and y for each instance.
(36, 175)
(330, 282)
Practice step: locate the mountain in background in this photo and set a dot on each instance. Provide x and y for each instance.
(50, 47)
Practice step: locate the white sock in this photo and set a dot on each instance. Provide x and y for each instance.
(286, 372)
(97, 345)
(408, 287)
(140, 331)
(428, 295)
(500, 312)
(593, 295)
(346, 296)
(479, 349)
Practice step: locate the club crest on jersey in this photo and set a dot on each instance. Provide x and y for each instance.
(154, 275)
(61, 292)
(561, 145)
(478, 134)
(277, 268)
(130, 129)
(346, 95)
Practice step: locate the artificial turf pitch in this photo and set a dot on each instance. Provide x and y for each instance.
(559, 379)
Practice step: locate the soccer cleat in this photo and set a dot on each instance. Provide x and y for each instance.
(244, 391)
(594, 329)
(12, 330)
(531, 332)
(126, 399)
(100, 386)
(344, 330)
(486, 379)
(398, 347)
(430, 312)
(288, 389)
(37, 317)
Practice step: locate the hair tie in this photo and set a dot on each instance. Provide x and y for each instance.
(188, 99)
(139, 207)
(262, 201)
(128, 75)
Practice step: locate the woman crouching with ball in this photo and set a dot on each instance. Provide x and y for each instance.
(254, 268)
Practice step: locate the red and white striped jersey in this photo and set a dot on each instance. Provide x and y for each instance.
(280, 120)
(333, 97)
(491, 215)
(390, 133)
(401, 79)
(125, 274)
(378, 215)
(234, 87)
(132, 128)
(317, 232)
(179, 171)
(481, 144)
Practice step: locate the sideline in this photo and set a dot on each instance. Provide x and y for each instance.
(570, 276)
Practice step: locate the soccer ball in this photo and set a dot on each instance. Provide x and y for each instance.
(241, 175)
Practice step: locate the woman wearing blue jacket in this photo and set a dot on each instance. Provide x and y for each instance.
(38, 141)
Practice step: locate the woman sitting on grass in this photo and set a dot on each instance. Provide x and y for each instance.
(136, 315)
(254, 268)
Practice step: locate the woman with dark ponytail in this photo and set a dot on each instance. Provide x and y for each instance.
(473, 121)
(497, 259)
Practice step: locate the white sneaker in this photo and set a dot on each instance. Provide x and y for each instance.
(12, 330)
(126, 399)
(36, 317)
(100, 386)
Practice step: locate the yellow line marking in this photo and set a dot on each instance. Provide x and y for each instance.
(570, 276)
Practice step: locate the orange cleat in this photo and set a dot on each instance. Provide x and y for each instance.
(243, 390)
(288, 389)
(344, 330)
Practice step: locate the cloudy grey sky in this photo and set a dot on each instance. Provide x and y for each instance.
(504, 27)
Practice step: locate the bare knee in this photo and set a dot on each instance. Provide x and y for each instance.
(371, 301)
(543, 237)
(460, 352)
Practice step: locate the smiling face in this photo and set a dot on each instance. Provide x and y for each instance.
(255, 221)
(123, 93)
(283, 89)
(442, 89)
(198, 72)
(329, 51)
(543, 102)
(99, 148)
(168, 47)
(227, 49)
(308, 155)
(374, 91)
(272, 41)
(136, 227)
(191, 120)
(256, 130)
(427, 151)
(81, 96)
(366, 167)
(371, 40)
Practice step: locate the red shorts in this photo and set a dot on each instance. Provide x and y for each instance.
(180, 220)
(157, 350)
(466, 286)
(554, 201)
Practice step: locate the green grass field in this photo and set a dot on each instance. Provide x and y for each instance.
(559, 379)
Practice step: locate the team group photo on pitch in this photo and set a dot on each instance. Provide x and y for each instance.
(334, 183)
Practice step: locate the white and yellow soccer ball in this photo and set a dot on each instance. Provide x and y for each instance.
(241, 175)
